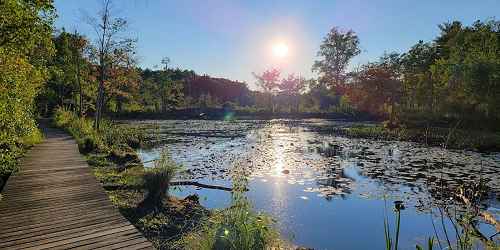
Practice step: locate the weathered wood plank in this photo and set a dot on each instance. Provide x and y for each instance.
(102, 241)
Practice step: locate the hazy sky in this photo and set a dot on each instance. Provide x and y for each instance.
(232, 39)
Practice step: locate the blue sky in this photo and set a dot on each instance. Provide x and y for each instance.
(232, 39)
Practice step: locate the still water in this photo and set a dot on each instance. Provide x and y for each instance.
(325, 191)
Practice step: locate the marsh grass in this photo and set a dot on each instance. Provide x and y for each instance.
(461, 207)
(110, 136)
(236, 227)
(430, 244)
(157, 180)
(455, 138)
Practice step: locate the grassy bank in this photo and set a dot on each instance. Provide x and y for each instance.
(142, 194)
(453, 138)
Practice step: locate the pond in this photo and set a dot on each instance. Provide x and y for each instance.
(326, 191)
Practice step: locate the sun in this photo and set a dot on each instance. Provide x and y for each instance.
(280, 50)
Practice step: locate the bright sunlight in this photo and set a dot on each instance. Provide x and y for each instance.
(280, 50)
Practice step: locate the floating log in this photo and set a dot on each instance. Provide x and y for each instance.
(197, 184)
(113, 187)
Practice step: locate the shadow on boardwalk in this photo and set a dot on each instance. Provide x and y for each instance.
(55, 202)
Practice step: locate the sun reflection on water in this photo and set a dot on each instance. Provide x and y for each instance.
(279, 155)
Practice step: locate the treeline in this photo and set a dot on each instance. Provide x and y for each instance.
(73, 75)
(454, 79)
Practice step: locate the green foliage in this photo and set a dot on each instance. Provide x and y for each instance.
(454, 78)
(110, 137)
(108, 151)
(466, 75)
(336, 51)
(154, 222)
(162, 90)
(26, 25)
(112, 54)
(236, 227)
(25, 45)
(157, 179)
(89, 140)
(68, 82)
(435, 136)
(19, 84)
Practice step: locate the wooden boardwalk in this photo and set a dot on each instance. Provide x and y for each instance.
(55, 202)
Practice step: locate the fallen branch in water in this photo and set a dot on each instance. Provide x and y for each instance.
(197, 184)
(113, 187)
(488, 217)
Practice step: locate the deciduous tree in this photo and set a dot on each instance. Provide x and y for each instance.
(335, 53)
(109, 30)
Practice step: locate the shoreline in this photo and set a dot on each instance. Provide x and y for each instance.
(228, 114)
(461, 139)
(437, 135)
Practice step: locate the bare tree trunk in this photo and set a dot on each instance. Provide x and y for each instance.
(100, 95)
(75, 101)
(102, 66)
(80, 105)
(77, 64)
(163, 104)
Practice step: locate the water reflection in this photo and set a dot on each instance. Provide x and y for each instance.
(325, 190)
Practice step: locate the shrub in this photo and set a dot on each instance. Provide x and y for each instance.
(87, 145)
(19, 84)
(157, 180)
(81, 129)
(108, 137)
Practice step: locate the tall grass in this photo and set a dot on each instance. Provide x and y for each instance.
(81, 128)
(433, 136)
(430, 244)
(108, 137)
(157, 180)
(237, 227)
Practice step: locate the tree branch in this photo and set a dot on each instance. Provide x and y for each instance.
(113, 187)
